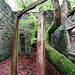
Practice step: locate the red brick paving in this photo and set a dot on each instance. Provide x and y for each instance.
(26, 65)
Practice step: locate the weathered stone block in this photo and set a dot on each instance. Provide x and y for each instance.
(59, 40)
(5, 30)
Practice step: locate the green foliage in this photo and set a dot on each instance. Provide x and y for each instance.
(21, 4)
(73, 3)
(31, 1)
(28, 24)
(47, 5)
(61, 28)
(46, 25)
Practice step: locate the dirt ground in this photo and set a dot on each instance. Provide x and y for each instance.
(26, 65)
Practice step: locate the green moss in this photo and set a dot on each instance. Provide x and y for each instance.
(33, 38)
(61, 28)
(62, 64)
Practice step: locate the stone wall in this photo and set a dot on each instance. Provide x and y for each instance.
(59, 40)
(24, 36)
(63, 39)
(5, 30)
(71, 31)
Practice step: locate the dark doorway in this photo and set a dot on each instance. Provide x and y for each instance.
(22, 41)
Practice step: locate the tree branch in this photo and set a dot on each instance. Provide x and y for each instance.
(31, 6)
(68, 19)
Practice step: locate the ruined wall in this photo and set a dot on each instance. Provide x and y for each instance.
(59, 37)
(59, 40)
(5, 30)
(70, 26)
(63, 39)
(23, 30)
(24, 36)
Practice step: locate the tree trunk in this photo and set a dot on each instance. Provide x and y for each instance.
(14, 65)
(40, 57)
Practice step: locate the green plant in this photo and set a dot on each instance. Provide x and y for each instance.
(21, 4)
(27, 24)
(72, 3)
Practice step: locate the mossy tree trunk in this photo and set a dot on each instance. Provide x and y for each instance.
(60, 62)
